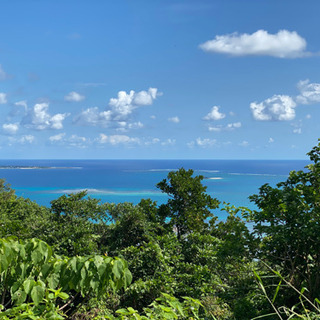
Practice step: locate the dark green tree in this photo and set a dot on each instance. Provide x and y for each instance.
(288, 224)
(189, 206)
(21, 217)
(78, 224)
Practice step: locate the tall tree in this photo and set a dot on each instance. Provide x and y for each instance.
(189, 206)
(288, 223)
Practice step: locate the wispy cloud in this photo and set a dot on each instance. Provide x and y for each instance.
(203, 143)
(228, 127)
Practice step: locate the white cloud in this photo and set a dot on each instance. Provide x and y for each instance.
(74, 97)
(23, 140)
(117, 139)
(72, 141)
(204, 143)
(10, 128)
(308, 116)
(228, 127)
(3, 98)
(174, 119)
(153, 117)
(3, 74)
(57, 137)
(119, 112)
(22, 103)
(94, 117)
(309, 92)
(168, 142)
(284, 44)
(125, 126)
(125, 103)
(278, 107)
(77, 141)
(271, 140)
(145, 98)
(214, 114)
(135, 125)
(38, 118)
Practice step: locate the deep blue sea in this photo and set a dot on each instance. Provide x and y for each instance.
(131, 180)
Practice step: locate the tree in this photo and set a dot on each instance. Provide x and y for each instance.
(77, 225)
(288, 224)
(188, 207)
(21, 217)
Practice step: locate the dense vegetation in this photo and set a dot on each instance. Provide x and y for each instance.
(83, 259)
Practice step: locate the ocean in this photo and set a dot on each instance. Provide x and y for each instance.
(117, 181)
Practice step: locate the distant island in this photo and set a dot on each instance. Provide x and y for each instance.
(36, 167)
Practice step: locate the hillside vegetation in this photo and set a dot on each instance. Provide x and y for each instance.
(84, 259)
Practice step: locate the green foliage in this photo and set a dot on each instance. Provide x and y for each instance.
(173, 251)
(288, 226)
(21, 217)
(130, 228)
(188, 207)
(30, 273)
(78, 223)
(165, 307)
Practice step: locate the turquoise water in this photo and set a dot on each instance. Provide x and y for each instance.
(131, 180)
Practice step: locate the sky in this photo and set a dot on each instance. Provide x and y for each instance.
(160, 79)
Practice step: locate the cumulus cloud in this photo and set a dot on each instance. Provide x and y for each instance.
(3, 98)
(309, 92)
(284, 44)
(278, 108)
(174, 119)
(10, 128)
(125, 103)
(119, 111)
(214, 114)
(228, 127)
(74, 97)
(38, 118)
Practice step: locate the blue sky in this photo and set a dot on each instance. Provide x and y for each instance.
(201, 79)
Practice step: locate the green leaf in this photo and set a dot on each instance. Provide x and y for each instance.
(37, 294)
(28, 285)
(117, 269)
(19, 297)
